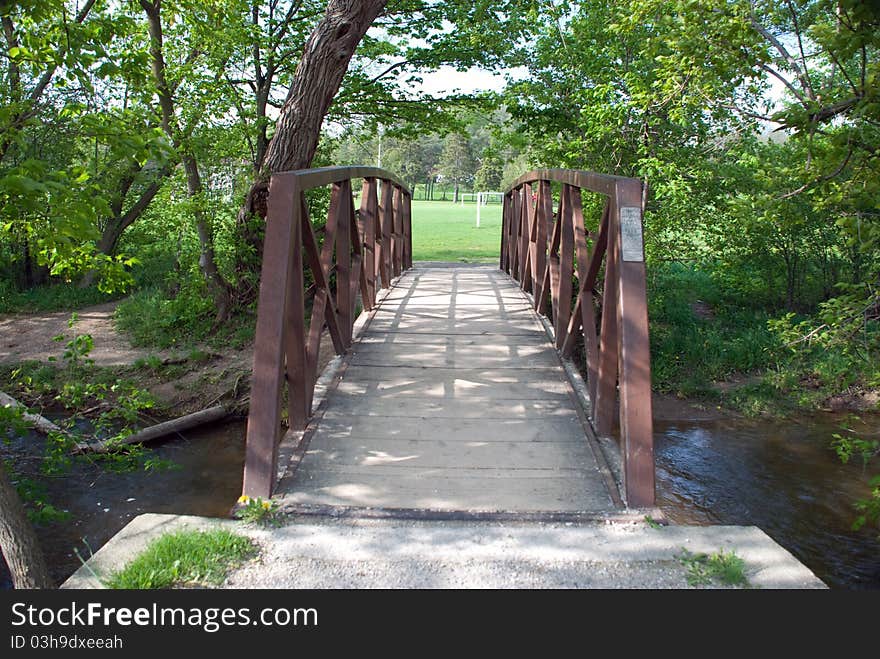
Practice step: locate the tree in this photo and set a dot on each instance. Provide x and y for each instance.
(53, 189)
(482, 33)
(18, 540)
(488, 176)
(457, 163)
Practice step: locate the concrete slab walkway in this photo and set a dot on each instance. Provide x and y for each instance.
(453, 398)
(379, 553)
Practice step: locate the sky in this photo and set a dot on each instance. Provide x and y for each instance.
(447, 81)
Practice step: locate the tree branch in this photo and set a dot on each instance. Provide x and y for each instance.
(785, 81)
(821, 179)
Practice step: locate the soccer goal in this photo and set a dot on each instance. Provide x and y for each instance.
(484, 198)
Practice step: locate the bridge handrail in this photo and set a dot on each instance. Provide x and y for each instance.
(539, 248)
(370, 246)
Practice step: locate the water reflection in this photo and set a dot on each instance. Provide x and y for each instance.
(206, 482)
(780, 476)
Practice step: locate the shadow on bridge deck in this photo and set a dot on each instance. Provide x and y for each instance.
(452, 399)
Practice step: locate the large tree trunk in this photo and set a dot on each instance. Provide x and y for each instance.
(18, 540)
(324, 62)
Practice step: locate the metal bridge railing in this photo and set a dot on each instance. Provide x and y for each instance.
(362, 251)
(591, 283)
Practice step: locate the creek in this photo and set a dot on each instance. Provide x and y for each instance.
(781, 476)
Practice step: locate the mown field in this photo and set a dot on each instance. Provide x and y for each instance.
(444, 231)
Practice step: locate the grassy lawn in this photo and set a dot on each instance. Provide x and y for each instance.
(443, 231)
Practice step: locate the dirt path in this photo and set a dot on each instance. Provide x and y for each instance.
(30, 336)
(202, 382)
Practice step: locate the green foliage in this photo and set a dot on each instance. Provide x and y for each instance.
(151, 363)
(653, 523)
(848, 445)
(52, 297)
(698, 335)
(115, 407)
(721, 567)
(152, 319)
(185, 558)
(35, 498)
(259, 511)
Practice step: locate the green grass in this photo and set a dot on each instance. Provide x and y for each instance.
(721, 567)
(443, 231)
(690, 353)
(150, 319)
(53, 297)
(200, 558)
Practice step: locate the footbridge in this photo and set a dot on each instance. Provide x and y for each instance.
(521, 387)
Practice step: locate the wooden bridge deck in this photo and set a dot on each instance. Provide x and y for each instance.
(453, 398)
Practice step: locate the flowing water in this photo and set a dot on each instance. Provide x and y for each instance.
(206, 481)
(779, 476)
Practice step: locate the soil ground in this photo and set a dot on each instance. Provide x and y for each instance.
(197, 384)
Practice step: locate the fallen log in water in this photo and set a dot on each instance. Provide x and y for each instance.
(186, 422)
(39, 422)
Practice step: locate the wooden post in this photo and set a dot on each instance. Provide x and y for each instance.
(566, 264)
(502, 259)
(524, 238)
(282, 248)
(385, 219)
(344, 303)
(603, 414)
(635, 358)
(396, 232)
(407, 231)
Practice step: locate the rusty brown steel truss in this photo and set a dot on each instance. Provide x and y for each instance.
(591, 284)
(361, 252)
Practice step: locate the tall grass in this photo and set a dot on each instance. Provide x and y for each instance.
(698, 336)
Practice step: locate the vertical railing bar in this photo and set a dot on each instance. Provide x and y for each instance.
(580, 248)
(359, 267)
(524, 234)
(280, 258)
(502, 259)
(407, 228)
(608, 348)
(385, 211)
(554, 265)
(396, 232)
(514, 233)
(368, 232)
(566, 264)
(545, 222)
(343, 261)
(300, 381)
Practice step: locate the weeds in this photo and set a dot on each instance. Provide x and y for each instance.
(259, 511)
(721, 567)
(98, 405)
